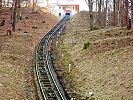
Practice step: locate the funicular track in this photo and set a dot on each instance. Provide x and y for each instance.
(49, 87)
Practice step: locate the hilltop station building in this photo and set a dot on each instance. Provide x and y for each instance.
(60, 7)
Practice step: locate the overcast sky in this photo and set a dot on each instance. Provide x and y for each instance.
(83, 5)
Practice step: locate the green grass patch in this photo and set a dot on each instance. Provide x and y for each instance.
(64, 61)
(65, 58)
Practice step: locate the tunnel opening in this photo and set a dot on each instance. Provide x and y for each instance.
(68, 14)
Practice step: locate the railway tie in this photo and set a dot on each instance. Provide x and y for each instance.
(48, 85)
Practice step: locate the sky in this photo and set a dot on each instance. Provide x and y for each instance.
(83, 5)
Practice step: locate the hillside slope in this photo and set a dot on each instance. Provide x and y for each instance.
(101, 62)
(17, 52)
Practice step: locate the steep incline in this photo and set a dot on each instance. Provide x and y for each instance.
(17, 52)
(101, 63)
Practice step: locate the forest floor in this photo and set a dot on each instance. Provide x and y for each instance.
(96, 62)
(17, 52)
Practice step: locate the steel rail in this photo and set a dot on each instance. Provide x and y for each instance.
(48, 85)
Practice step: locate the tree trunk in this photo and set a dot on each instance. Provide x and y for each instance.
(33, 6)
(118, 12)
(99, 12)
(129, 24)
(132, 10)
(96, 14)
(19, 11)
(122, 13)
(106, 15)
(12, 11)
(4, 1)
(90, 4)
(126, 13)
(114, 14)
(0, 4)
(14, 16)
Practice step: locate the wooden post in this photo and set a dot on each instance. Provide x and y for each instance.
(69, 68)
(56, 43)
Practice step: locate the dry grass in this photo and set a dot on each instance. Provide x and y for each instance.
(17, 52)
(105, 67)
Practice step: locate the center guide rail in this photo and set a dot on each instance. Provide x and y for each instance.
(48, 85)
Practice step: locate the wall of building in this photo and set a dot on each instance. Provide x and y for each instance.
(72, 9)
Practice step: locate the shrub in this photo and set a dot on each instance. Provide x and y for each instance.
(44, 21)
(86, 45)
(26, 17)
(25, 32)
(90, 98)
(95, 28)
(34, 27)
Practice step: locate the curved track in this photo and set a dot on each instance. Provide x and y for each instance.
(49, 87)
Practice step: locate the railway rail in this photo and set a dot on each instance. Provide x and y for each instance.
(48, 85)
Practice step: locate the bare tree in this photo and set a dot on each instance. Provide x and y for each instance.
(118, 12)
(110, 12)
(33, 6)
(99, 12)
(0, 4)
(19, 16)
(106, 14)
(122, 13)
(129, 24)
(127, 14)
(132, 10)
(90, 5)
(126, 11)
(14, 15)
(114, 7)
